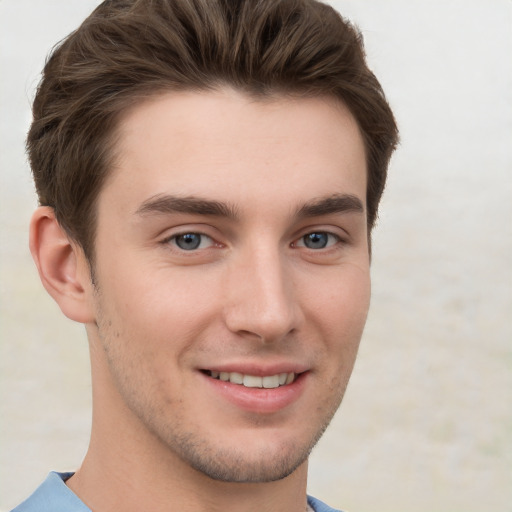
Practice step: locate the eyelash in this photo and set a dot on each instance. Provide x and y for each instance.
(173, 240)
(335, 239)
(300, 242)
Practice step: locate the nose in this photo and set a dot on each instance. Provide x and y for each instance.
(262, 302)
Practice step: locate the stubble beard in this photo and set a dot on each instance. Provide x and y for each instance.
(235, 466)
(232, 465)
(194, 448)
(225, 463)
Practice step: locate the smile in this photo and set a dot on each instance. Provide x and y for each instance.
(253, 381)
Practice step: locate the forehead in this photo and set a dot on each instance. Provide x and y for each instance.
(227, 145)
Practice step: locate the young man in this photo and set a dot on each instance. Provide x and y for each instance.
(209, 172)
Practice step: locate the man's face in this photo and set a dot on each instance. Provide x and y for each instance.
(232, 277)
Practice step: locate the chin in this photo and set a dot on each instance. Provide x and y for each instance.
(262, 459)
(237, 467)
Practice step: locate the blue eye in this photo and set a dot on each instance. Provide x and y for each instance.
(191, 241)
(317, 240)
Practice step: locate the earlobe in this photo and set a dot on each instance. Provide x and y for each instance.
(62, 266)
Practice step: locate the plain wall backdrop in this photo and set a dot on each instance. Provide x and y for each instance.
(426, 424)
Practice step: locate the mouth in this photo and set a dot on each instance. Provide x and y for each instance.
(253, 381)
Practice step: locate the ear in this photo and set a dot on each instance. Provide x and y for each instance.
(62, 266)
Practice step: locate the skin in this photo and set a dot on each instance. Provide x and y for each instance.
(249, 180)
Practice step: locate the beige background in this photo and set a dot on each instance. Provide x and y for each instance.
(427, 421)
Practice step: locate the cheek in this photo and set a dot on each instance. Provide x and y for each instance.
(344, 305)
(158, 316)
(343, 317)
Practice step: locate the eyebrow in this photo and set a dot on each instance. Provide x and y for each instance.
(167, 204)
(337, 203)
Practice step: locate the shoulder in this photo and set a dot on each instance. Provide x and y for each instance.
(53, 496)
(320, 506)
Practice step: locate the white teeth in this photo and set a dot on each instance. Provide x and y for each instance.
(253, 381)
(271, 382)
(236, 378)
(250, 381)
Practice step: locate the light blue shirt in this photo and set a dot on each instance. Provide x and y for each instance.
(53, 495)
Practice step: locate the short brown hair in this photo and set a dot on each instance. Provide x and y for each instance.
(128, 49)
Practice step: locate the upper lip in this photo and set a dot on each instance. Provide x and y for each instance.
(258, 369)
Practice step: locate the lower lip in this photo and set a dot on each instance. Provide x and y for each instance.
(259, 400)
